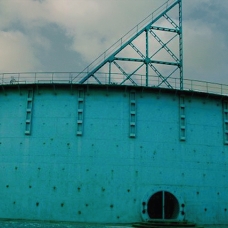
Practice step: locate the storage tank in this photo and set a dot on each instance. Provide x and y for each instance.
(110, 154)
(100, 146)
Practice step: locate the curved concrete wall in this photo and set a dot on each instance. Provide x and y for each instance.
(96, 154)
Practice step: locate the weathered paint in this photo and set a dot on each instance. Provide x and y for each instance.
(104, 175)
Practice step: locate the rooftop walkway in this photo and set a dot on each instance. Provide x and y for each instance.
(69, 78)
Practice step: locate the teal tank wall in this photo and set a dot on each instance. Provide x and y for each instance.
(113, 154)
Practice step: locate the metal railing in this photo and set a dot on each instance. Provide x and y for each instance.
(104, 78)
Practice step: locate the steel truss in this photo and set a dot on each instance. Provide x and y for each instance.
(149, 55)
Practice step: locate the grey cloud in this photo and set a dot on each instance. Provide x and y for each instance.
(68, 34)
(16, 53)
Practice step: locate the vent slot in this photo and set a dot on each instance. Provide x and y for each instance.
(182, 118)
(81, 98)
(28, 120)
(225, 122)
(132, 114)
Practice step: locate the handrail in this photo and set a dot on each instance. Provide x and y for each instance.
(24, 78)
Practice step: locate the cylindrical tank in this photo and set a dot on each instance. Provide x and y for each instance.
(112, 154)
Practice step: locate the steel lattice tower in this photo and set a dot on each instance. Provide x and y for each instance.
(151, 54)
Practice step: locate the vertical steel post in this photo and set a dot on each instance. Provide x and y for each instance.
(109, 73)
(147, 57)
(181, 45)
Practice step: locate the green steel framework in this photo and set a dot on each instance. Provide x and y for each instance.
(110, 67)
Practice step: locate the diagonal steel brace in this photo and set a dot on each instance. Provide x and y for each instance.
(151, 65)
(123, 72)
(164, 46)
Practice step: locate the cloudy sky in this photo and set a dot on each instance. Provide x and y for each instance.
(66, 35)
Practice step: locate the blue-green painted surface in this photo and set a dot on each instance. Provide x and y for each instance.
(104, 176)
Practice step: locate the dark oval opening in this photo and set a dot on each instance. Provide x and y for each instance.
(163, 205)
